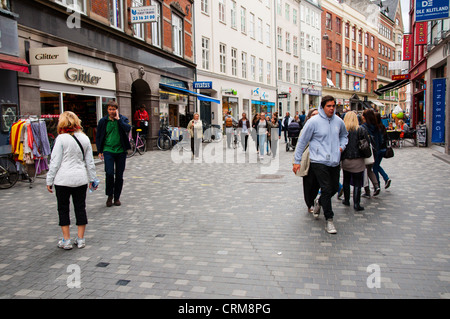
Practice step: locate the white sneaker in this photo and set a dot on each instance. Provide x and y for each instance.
(317, 207)
(80, 242)
(330, 227)
(65, 244)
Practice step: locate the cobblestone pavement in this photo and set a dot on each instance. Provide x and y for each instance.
(232, 230)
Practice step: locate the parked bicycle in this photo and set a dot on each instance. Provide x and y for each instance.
(171, 137)
(235, 137)
(9, 175)
(140, 145)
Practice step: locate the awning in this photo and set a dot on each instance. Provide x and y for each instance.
(13, 63)
(199, 96)
(391, 86)
(379, 104)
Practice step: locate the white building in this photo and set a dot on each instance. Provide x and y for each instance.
(310, 53)
(234, 49)
(287, 43)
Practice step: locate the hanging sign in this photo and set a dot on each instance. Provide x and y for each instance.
(407, 47)
(438, 130)
(143, 14)
(421, 33)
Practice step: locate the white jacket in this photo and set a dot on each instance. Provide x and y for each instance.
(67, 167)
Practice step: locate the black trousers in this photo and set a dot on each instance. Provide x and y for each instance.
(310, 188)
(78, 194)
(328, 178)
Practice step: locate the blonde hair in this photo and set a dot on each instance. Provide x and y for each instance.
(69, 122)
(351, 121)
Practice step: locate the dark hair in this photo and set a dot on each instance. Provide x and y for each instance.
(369, 116)
(113, 104)
(380, 124)
(326, 99)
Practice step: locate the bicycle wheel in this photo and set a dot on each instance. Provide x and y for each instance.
(164, 143)
(141, 146)
(132, 150)
(8, 173)
(218, 136)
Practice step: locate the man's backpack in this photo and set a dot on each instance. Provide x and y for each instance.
(228, 122)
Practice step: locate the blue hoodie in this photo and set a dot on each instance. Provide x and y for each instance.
(325, 136)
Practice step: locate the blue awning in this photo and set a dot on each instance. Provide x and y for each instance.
(199, 96)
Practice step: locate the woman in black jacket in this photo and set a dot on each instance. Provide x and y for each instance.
(352, 161)
(370, 124)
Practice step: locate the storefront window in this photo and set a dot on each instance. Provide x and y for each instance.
(50, 110)
(230, 104)
(262, 106)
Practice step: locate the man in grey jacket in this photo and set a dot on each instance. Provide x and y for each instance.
(327, 138)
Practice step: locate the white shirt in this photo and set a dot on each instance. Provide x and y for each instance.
(67, 167)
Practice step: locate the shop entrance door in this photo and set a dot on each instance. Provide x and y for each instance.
(141, 95)
(173, 115)
(205, 112)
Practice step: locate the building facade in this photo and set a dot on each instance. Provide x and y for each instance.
(107, 57)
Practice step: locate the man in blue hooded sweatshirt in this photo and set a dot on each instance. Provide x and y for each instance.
(327, 138)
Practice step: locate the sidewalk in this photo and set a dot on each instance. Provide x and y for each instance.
(230, 230)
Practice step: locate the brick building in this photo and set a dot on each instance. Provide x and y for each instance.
(134, 63)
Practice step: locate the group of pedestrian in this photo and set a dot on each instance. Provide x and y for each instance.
(266, 133)
(327, 143)
(72, 168)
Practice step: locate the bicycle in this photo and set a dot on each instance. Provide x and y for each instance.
(140, 145)
(9, 175)
(164, 141)
(235, 137)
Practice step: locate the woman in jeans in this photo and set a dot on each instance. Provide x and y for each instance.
(71, 169)
(377, 169)
(370, 124)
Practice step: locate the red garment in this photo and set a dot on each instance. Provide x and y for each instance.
(140, 116)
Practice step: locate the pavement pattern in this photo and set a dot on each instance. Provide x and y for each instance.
(234, 228)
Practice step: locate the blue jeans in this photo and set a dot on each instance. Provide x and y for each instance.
(114, 168)
(377, 169)
(262, 141)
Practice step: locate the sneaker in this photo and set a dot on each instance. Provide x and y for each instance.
(65, 244)
(317, 207)
(387, 184)
(80, 242)
(329, 226)
(377, 191)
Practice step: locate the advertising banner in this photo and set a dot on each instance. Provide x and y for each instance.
(407, 47)
(438, 130)
(427, 10)
(421, 33)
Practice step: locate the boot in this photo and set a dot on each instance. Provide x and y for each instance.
(346, 200)
(357, 199)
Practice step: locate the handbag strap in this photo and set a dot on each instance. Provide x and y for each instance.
(79, 144)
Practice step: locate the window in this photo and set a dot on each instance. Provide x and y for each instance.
(233, 14)
(279, 39)
(267, 40)
(244, 65)
(295, 74)
(338, 52)
(205, 53)
(347, 55)
(347, 30)
(302, 39)
(222, 11)
(234, 61)
(260, 30)
(288, 72)
(338, 25)
(269, 73)
(308, 70)
(308, 42)
(204, 6)
(251, 26)
(288, 42)
(328, 23)
(280, 70)
(360, 32)
(295, 46)
(329, 50)
(223, 57)
(366, 39)
(243, 20)
(279, 7)
(115, 13)
(366, 62)
(253, 67)
(302, 66)
(138, 28)
(353, 57)
(76, 5)
(261, 70)
(372, 42)
(156, 26)
(294, 16)
(287, 11)
(177, 35)
(338, 80)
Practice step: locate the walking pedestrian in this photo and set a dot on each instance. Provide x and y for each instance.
(229, 122)
(244, 126)
(353, 161)
(327, 138)
(285, 124)
(195, 128)
(310, 184)
(370, 124)
(255, 136)
(112, 145)
(261, 128)
(71, 169)
(377, 169)
(273, 136)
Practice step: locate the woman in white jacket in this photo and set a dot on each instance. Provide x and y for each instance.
(71, 169)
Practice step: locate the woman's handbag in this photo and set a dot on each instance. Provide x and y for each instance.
(304, 164)
(364, 146)
(369, 160)
(389, 152)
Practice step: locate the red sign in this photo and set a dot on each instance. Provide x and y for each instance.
(400, 77)
(421, 31)
(407, 47)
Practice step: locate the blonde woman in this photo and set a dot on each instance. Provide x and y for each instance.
(195, 129)
(71, 169)
(353, 161)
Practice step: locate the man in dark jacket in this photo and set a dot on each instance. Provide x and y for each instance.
(112, 146)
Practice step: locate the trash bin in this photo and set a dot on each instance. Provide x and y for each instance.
(421, 134)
